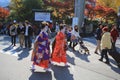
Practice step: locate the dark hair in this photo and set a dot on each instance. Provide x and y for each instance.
(61, 27)
(42, 26)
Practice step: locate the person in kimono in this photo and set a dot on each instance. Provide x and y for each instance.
(58, 56)
(41, 50)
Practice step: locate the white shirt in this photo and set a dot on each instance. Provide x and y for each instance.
(26, 31)
(76, 34)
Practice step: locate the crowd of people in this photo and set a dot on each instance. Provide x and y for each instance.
(106, 39)
(24, 31)
(65, 36)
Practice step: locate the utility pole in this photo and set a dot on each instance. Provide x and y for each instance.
(79, 11)
(119, 11)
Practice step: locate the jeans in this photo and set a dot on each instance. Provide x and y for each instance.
(13, 39)
(113, 46)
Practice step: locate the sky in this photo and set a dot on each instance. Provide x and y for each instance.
(4, 3)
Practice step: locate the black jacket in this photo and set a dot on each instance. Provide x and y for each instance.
(21, 30)
(30, 31)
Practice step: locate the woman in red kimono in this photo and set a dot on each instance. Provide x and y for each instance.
(41, 51)
(59, 56)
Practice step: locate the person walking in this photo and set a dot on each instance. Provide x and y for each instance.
(98, 36)
(21, 31)
(106, 44)
(114, 34)
(58, 56)
(28, 35)
(41, 50)
(13, 33)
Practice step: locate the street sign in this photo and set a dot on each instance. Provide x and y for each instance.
(42, 16)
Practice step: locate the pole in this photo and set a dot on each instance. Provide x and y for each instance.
(79, 11)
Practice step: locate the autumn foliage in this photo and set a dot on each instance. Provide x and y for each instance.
(99, 11)
(3, 13)
(93, 9)
(61, 9)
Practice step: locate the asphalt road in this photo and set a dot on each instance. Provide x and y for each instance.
(15, 64)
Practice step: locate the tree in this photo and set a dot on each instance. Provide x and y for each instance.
(22, 9)
(110, 3)
(29, 5)
(62, 9)
(3, 13)
(106, 10)
(16, 7)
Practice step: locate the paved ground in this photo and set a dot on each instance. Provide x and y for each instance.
(15, 64)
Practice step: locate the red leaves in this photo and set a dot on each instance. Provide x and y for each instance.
(104, 10)
(99, 8)
(3, 12)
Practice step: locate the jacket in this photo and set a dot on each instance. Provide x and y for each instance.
(13, 30)
(114, 34)
(106, 41)
(98, 34)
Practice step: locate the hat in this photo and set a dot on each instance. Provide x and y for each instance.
(26, 21)
(105, 29)
(44, 22)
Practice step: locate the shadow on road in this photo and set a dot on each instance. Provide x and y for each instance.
(116, 69)
(41, 76)
(62, 73)
(91, 40)
(23, 54)
(8, 48)
(80, 55)
(71, 60)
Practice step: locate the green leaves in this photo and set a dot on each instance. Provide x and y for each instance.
(22, 9)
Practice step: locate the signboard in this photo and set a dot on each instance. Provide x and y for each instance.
(74, 21)
(42, 16)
